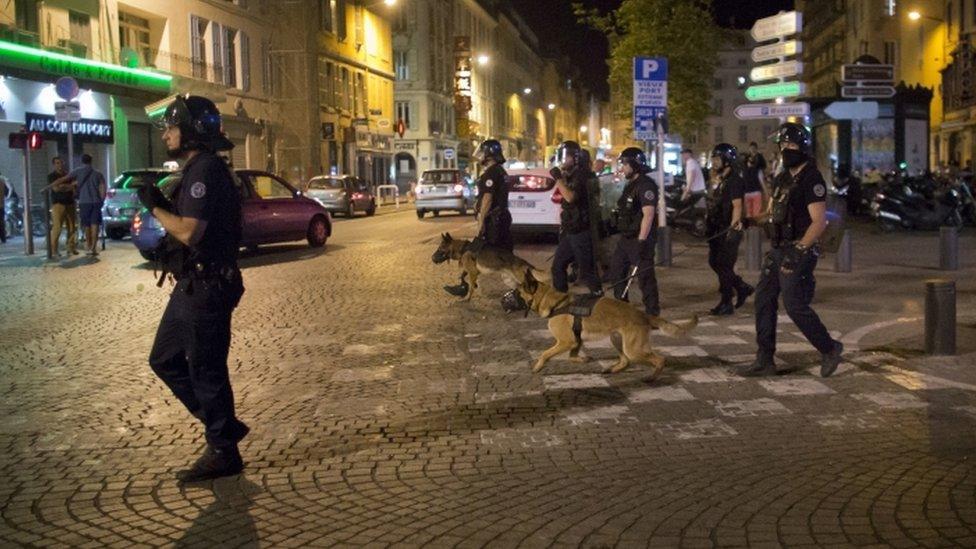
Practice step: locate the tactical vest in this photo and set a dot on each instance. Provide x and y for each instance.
(629, 210)
(575, 216)
(780, 225)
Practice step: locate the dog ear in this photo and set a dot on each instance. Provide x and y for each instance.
(447, 236)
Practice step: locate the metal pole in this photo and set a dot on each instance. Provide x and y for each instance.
(47, 222)
(940, 317)
(71, 147)
(754, 252)
(842, 263)
(28, 234)
(948, 248)
(664, 232)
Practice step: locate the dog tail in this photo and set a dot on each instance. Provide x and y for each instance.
(673, 329)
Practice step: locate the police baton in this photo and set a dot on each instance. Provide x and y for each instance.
(630, 280)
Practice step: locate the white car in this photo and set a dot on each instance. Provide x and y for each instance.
(444, 189)
(533, 201)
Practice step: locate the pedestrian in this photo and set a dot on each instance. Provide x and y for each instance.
(798, 217)
(574, 181)
(203, 228)
(494, 219)
(89, 185)
(635, 221)
(754, 173)
(3, 209)
(724, 223)
(694, 180)
(63, 210)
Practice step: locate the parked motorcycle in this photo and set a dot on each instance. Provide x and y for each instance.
(687, 214)
(904, 204)
(15, 217)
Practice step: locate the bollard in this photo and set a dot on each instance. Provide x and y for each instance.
(940, 317)
(948, 248)
(754, 252)
(842, 263)
(664, 246)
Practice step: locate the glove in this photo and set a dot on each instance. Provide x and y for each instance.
(556, 173)
(792, 258)
(151, 197)
(734, 235)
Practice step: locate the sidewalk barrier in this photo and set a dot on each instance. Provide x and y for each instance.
(664, 246)
(948, 248)
(754, 248)
(940, 317)
(391, 191)
(842, 263)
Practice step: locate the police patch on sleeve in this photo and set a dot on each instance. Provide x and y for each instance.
(489, 183)
(649, 195)
(819, 190)
(198, 190)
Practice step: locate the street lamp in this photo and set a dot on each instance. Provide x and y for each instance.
(583, 129)
(483, 59)
(551, 106)
(527, 91)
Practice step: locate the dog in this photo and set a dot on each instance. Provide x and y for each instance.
(484, 260)
(629, 329)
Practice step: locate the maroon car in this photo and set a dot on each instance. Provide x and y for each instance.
(273, 211)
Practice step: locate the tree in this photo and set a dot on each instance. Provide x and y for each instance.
(681, 30)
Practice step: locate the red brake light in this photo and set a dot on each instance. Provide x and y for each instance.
(137, 223)
(458, 188)
(557, 197)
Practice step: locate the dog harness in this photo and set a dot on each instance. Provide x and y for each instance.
(580, 307)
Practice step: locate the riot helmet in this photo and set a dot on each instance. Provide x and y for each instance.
(198, 119)
(727, 153)
(791, 132)
(490, 148)
(569, 149)
(635, 158)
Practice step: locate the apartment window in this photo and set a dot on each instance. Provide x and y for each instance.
(743, 133)
(890, 53)
(403, 113)
(719, 134)
(134, 34)
(361, 99)
(198, 45)
(332, 15)
(244, 46)
(401, 66)
(345, 90)
(80, 25)
(266, 84)
(26, 15)
(225, 54)
(718, 107)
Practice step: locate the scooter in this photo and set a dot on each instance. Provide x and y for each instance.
(15, 217)
(899, 206)
(685, 214)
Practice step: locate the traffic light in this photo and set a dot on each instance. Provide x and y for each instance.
(34, 140)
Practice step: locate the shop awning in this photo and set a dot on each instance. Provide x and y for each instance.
(45, 65)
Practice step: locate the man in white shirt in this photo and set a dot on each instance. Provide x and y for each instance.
(694, 180)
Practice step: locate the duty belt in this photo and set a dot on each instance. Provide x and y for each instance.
(203, 269)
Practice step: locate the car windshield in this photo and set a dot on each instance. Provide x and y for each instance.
(135, 180)
(434, 178)
(523, 183)
(325, 183)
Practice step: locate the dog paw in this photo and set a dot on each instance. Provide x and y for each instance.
(538, 366)
(580, 359)
(619, 367)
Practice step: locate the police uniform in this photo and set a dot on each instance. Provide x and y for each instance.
(497, 229)
(193, 338)
(575, 239)
(723, 250)
(639, 192)
(790, 220)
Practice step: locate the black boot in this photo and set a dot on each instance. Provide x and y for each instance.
(214, 463)
(742, 293)
(724, 308)
(762, 366)
(830, 361)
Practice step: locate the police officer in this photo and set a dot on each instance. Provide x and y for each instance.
(494, 219)
(203, 227)
(635, 221)
(798, 217)
(574, 180)
(723, 221)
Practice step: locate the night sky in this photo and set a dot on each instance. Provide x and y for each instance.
(559, 33)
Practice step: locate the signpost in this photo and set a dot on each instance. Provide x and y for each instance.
(771, 110)
(787, 48)
(773, 91)
(777, 26)
(776, 70)
(852, 110)
(867, 92)
(650, 120)
(864, 73)
(68, 110)
(864, 79)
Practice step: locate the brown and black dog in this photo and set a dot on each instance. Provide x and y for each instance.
(629, 329)
(486, 260)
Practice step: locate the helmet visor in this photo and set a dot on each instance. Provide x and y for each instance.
(171, 111)
(564, 153)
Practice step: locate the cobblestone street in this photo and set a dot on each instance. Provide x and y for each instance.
(383, 412)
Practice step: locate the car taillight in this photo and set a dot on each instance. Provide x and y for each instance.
(458, 188)
(557, 197)
(136, 223)
(357, 196)
(110, 193)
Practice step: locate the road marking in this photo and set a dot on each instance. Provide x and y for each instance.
(679, 351)
(575, 381)
(750, 408)
(706, 428)
(717, 374)
(665, 393)
(915, 381)
(852, 339)
(892, 401)
(604, 414)
(795, 387)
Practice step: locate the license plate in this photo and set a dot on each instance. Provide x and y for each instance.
(523, 204)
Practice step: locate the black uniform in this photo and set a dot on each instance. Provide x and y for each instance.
(497, 230)
(723, 251)
(790, 220)
(575, 237)
(193, 338)
(639, 192)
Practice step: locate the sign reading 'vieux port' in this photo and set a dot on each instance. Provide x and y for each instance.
(87, 129)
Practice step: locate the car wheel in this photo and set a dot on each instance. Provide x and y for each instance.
(116, 233)
(420, 214)
(437, 213)
(463, 211)
(372, 209)
(147, 255)
(350, 209)
(318, 232)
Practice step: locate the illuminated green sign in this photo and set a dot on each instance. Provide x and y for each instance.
(772, 91)
(28, 58)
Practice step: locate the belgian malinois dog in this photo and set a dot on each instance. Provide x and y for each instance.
(485, 260)
(629, 329)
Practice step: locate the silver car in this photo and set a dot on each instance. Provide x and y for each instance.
(440, 190)
(345, 194)
(122, 201)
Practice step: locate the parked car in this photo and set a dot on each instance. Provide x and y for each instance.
(341, 194)
(534, 201)
(273, 211)
(440, 190)
(122, 202)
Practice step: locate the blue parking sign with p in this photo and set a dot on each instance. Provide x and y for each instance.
(650, 68)
(650, 97)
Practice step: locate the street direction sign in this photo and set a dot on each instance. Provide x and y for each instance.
(852, 110)
(882, 74)
(775, 51)
(67, 111)
(776, 70)
(650, 96)
(777, 26)
(871, 92)
(753, 111)
(772, 91)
